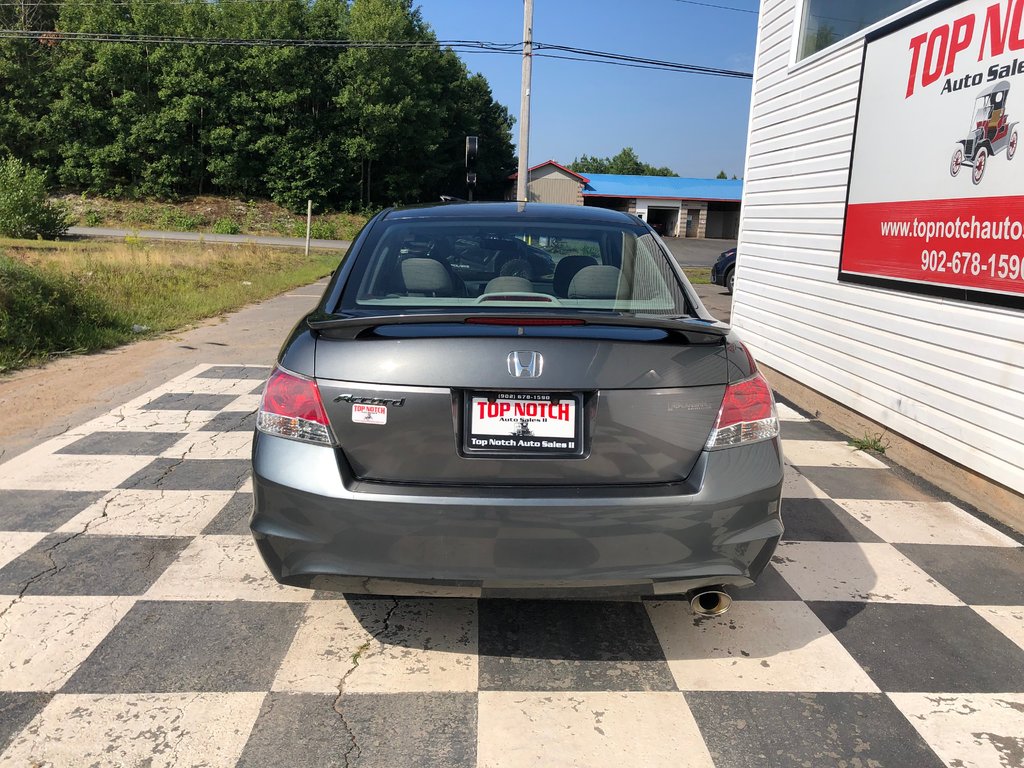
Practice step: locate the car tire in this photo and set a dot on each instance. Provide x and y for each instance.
(730, 279)
(956, 163)
(980, 161)
(1011, 146)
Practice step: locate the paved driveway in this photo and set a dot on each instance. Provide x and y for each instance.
(138, 627)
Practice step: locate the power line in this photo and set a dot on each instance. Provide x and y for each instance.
(459, 46)
(719, 7)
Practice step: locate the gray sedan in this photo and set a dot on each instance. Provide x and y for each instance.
(517, 399)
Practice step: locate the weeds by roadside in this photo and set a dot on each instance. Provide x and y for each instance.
(61, 298)
(223, 216)
(876, 443)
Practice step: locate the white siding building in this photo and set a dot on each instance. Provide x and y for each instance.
(937, 359)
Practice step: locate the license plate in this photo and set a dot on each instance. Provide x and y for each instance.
(523, 422)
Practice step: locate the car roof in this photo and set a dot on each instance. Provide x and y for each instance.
(563, 214)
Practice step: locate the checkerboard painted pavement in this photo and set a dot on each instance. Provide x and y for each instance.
(139, 627)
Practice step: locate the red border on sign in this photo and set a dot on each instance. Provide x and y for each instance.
(975, 244)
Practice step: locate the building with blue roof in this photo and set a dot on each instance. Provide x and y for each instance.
(674, 206)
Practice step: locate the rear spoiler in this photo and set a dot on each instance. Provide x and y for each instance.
(351, 326)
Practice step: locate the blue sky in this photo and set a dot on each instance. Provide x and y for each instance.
(696, 125)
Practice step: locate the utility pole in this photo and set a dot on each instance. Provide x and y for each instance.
(524, 103)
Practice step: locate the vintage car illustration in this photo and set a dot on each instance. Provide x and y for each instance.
(990, 133)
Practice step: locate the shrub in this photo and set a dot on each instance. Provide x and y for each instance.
(25, 211)
(318, 230)
(92, 218)
(180, 221)
(226, 226)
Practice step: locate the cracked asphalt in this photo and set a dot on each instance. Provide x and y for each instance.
(138, 626)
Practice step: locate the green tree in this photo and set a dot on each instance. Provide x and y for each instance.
(346, 128)
(626, 163)
(722, 175)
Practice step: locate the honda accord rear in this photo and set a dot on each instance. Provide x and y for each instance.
(514, 399)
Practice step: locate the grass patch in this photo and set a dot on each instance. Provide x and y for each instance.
(209, 213)
(64, 298)
(698, 275)
(875, 443)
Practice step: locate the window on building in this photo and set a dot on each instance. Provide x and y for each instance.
(829, 21)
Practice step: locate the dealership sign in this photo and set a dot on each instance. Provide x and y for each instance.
(936, 197)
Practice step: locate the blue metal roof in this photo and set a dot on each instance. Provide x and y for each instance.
(669, 187)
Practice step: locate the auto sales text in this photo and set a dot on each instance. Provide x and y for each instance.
(934, 54)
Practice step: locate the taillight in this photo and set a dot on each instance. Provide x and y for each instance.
(747, 414)
(292, 408)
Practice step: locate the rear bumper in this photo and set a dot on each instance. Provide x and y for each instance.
(317, 526)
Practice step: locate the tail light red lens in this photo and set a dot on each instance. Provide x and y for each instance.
(747, 414)
(292, 408)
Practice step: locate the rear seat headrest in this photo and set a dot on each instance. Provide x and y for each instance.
(426, 276)
(597, 282)
(509, 284)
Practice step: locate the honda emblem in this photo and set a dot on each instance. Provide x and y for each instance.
(525, 365)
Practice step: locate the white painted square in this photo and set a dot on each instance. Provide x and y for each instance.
(789, 414)
(14, 544)
(70, 472)
(758, 646)
(828, 453)
(426, 645)
(247, 403)
(44, 639)
(1008, 619)
(796, 486)
(156, 730)
(222, 568)
(212, 445)
(970, 730)
(855, 572)
(591, 729)
(132, 512)
(924, 522)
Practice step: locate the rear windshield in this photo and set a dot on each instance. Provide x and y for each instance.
(416, 264)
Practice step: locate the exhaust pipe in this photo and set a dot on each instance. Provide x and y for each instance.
(710, 601)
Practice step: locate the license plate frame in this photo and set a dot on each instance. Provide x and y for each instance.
(546, 434)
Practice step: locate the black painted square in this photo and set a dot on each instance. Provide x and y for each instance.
(168, 646)
(124, 443)
(861, 483)
(231, 421)
(189, 401)
(233, 518)
(795, 730)
(235, 372)
(191, 475)
(925, 648)
(569, 646)
(91, 564)
(822, 520)
(325, 741)
(412, 730)
(42, 510)
(977, 575)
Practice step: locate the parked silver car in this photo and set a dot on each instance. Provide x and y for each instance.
(518, 399)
